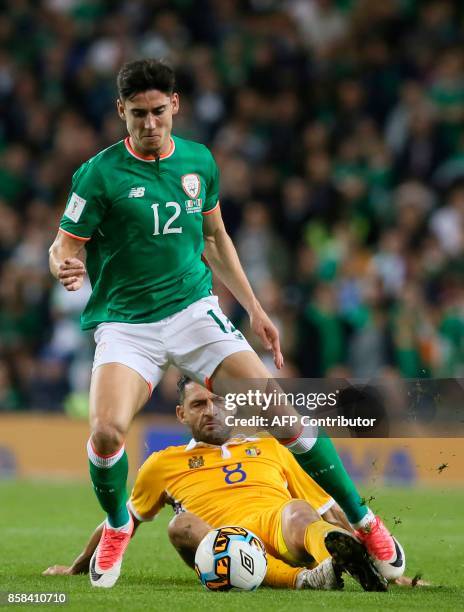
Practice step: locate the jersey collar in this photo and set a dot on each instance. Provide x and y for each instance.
(172, 148)
(225, 453)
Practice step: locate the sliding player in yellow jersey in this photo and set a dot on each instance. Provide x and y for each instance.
(252, 482)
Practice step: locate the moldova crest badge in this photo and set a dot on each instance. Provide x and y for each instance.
(196, 462)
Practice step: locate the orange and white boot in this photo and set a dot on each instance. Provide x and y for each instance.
(105, 565)
(385, 550)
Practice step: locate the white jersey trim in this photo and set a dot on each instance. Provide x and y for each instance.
(328, 504)
(138, 516)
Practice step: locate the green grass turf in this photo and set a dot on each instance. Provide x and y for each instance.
(47, 523)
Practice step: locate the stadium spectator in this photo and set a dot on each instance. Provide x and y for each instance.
(343, 119)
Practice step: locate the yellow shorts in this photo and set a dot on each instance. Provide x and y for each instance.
(267, 525)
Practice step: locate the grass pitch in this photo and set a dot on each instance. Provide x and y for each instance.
(48, 523)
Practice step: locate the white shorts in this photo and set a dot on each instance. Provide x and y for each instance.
(196, 340)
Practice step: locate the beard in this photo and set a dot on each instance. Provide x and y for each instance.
(216, 436)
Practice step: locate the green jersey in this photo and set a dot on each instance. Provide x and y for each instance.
(142, 221)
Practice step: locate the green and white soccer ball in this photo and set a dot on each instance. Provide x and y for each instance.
(231, 558)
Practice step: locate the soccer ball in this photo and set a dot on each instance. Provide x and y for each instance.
(231, 558)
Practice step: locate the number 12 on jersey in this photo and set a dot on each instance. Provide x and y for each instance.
(167, 229)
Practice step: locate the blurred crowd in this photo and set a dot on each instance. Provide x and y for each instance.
(338, 129)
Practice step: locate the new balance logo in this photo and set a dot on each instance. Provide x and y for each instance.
(137, 192)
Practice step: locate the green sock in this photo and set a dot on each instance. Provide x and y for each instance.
(324, 466)
(109, 484)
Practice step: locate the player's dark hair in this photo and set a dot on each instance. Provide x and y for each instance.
(181, 384)
(143, 75)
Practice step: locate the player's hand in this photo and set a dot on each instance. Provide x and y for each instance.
(411, 582)
(71, 273)
(265, 329)
(59, 570)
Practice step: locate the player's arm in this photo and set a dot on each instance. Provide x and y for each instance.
(66, 260)
(84, 212)
(81, 563)
(223, 259)
(335, 516)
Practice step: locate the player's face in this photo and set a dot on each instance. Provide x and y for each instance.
(204, 413)
(148, 116)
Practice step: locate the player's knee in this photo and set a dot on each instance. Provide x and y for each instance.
(180, 530)
(186, 530)
(295, 520)
(106, 438)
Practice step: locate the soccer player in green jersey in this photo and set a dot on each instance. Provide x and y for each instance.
(139, 218)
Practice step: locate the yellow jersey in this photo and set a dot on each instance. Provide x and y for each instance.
(225, 484)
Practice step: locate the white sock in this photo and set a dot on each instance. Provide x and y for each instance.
(126, 527)
(299, 582)
(304, 442)
(365, 521)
